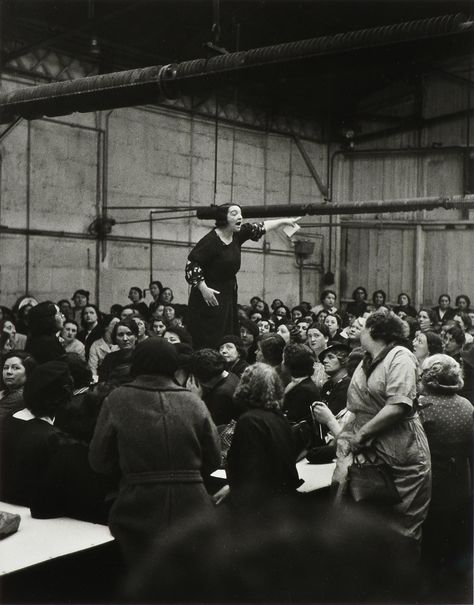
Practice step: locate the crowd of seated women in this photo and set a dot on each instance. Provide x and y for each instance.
(114, 417)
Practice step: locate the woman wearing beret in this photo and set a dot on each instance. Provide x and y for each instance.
(211, 270)
(160, 438)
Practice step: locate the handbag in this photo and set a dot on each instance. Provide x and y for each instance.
(9, 524)
(371, 482)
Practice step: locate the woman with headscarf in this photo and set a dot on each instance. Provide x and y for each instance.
(211, 270)
(161, 439)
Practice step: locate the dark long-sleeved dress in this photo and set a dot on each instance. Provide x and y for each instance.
(261, 462)
(160, 438)
(218, 264)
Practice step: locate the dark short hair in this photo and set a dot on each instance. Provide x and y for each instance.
(271, 346)
(221, 214)
(137, 289)
(128, 323)
(183, 334)
(431, 314)
(434, 343)
(403, 294)
(442, 296)
(386, 327)
(457, 334)
(315, 326)
(319, 313)
(382, 292)
(466, 298)
(337, 317)
(62, 301)
(79, 369)
(90, 306)
(27, 361)
(71, 321)
(299, 359)
(157, 283)
(85, 293)
(359, 288)
(324, 293)
(207, 364)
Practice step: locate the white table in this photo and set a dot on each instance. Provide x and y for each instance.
(316, 476)
(39, 540)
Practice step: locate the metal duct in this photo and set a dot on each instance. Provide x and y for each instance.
(151, 84)
(366, 207)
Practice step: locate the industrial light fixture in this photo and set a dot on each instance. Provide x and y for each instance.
(94, 46)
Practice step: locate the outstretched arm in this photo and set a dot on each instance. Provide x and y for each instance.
(275, 223)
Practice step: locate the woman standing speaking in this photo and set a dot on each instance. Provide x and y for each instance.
(211, 270)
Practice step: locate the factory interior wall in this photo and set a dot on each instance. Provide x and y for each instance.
(58, 174)
(423, 253)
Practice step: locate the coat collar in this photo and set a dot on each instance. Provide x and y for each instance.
(154, 383)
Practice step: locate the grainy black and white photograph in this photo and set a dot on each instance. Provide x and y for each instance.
(236, 329)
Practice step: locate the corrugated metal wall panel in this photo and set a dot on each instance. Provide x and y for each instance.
(378, 259)
(448, 263)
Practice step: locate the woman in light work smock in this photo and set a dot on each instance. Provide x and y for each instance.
(380, 397)
(211, 270)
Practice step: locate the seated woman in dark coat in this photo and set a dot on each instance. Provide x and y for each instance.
(45, 320)
(160, 437)
(43, 468)
(404, 306)
(261, 462)
(301, 391)
(443, 311)
(233, 351)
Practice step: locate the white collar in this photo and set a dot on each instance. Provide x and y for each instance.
(26, 415)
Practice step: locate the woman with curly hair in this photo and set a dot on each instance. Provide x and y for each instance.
(386, 428)
(261, 462)
(448, 421)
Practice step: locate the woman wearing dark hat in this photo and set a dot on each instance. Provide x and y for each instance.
(46, 469)
(45, 320)
(160, 438)
(334, 390)
(233, 351)
(211, 270)
(115, 368)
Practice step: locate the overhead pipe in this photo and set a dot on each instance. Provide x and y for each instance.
(361, 207)
(159, 82)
